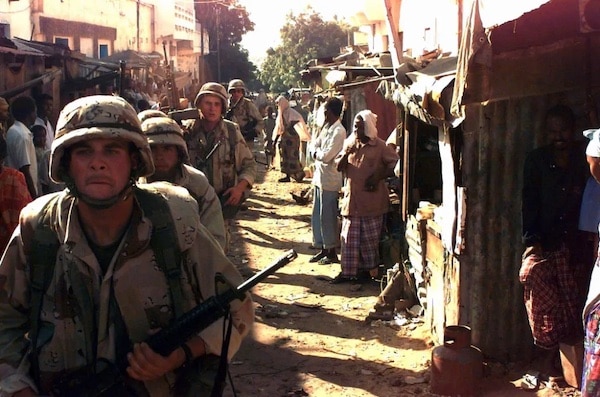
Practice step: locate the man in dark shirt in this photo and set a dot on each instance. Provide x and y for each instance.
(558, 257)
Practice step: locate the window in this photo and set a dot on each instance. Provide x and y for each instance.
(102, 50)
(62, 40)
(4, 30)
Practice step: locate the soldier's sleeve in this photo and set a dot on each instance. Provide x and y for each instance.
(14, 317)
(211, 215)
(244, 160)
(207, 259)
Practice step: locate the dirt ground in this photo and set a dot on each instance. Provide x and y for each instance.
(310, 337)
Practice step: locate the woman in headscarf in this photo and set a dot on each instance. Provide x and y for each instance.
(289, 129)
(365, 161)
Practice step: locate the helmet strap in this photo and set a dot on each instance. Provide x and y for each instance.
(101, 204)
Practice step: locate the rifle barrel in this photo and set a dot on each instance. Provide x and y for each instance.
(283, 260)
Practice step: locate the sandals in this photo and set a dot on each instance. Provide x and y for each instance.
(340, 279)
(318, 257)
(328, 260)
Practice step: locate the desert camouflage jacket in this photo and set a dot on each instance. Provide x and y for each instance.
(79, 294)
(244, 112)
(208, 203)
(227, 166)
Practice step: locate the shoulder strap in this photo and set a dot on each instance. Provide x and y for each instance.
(44, 247)
(164, 243)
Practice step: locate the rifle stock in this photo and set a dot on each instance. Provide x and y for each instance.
(209, 311)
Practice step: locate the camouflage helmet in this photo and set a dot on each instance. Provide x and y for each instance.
(165, 131)
(146, 114)
(236, 84)
(213, 89)
(98, 116)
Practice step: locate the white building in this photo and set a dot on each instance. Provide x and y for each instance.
(102, 28)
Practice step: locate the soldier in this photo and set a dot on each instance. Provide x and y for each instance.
(242, 110)
(170, 154)
(93, 299)
(217, 148)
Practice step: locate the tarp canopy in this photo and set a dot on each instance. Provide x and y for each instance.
(423, 92)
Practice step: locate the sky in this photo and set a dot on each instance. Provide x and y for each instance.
(269, 17)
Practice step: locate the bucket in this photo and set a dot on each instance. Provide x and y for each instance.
(457, 366)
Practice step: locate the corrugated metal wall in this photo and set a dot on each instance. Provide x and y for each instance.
(497, 138)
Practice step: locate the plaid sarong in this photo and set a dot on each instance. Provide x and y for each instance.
(360, 243)
(590, 386)
(551, 298)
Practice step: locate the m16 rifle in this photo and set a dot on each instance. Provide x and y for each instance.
(103, 379)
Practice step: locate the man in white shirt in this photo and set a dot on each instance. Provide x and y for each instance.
(327, 181)
(19, 142)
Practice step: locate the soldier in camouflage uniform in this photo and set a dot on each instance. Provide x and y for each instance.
(244, 112)
(217, 148)
(170, 154)
(106, 291)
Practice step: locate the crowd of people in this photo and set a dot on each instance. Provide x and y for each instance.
(87, 204)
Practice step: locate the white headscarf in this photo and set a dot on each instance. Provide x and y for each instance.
(286, 115)
(370, 120)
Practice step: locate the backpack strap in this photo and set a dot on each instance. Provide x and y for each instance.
(44, 247)
(164, 243)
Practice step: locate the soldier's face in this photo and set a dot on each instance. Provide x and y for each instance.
(211, 107)
(236, 94)
(101, 167)
(166, 158)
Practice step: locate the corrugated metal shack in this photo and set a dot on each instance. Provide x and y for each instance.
(467, 125)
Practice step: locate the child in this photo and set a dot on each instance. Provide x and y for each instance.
(43, 160)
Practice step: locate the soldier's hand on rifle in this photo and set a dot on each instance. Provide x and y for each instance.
(145, 364)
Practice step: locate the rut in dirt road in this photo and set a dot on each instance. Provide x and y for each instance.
(310, 337)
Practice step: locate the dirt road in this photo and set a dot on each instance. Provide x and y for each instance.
(310, 337)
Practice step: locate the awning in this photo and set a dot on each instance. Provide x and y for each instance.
(425, 95)
(44, 79)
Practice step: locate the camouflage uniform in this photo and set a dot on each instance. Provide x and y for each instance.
(242, 113)
(222, 170)
(209, 206)
(163, 130)
(77, 313)
(66, 303)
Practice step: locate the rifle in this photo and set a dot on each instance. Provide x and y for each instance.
(186, 114)
(122, 70)
(172, 94)
(102, 379)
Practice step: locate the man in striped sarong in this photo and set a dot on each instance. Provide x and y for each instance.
(365, 161)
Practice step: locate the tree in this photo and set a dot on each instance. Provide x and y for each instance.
(226, 22)
(303, 37)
